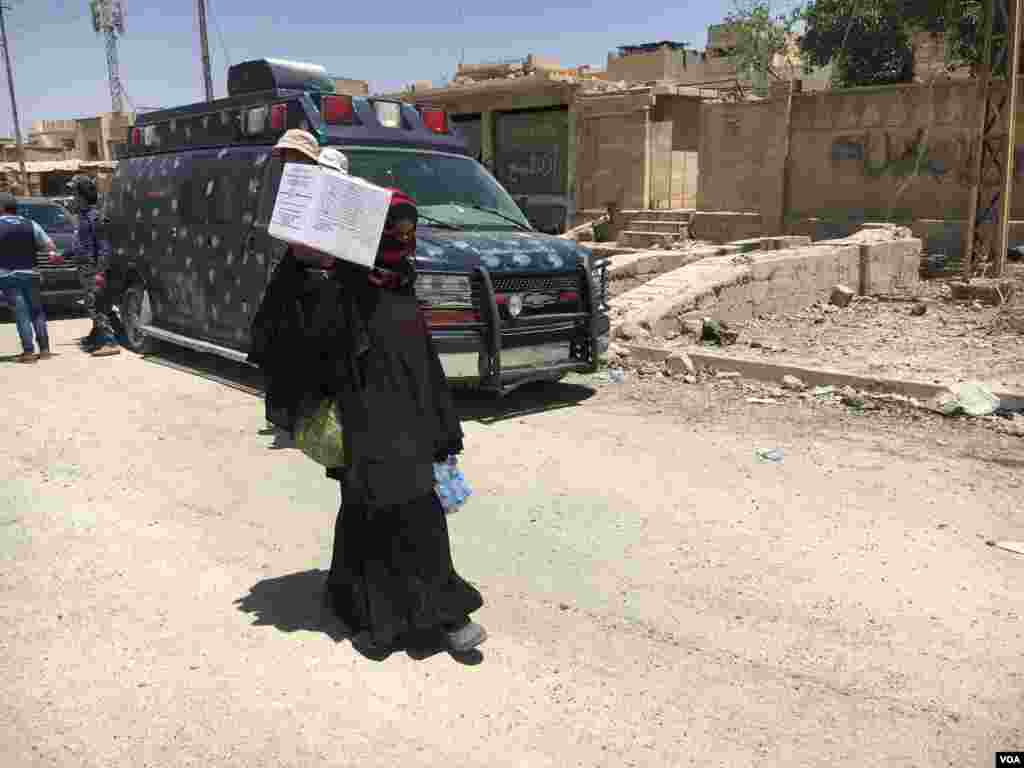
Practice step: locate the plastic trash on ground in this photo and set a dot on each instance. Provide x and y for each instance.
(971, 398)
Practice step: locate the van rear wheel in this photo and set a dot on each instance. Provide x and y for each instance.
(135, 313)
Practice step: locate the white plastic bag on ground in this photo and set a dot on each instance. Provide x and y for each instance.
(971, 398)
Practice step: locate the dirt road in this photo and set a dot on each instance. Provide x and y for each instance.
(656, 594)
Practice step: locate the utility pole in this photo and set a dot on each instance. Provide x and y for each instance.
(205, 50)
(1013, 53)
(981, 115)
(14, 101)
(992, 166)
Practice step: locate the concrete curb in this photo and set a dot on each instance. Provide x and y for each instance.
(815, 377)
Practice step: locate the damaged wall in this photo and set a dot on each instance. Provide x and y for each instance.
(888, 153)
(612, 139)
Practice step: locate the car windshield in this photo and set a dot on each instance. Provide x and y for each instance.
(446, 188)
(51, 217)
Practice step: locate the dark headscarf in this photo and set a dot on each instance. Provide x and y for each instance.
(395, 266)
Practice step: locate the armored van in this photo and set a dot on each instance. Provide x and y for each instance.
(193, 193)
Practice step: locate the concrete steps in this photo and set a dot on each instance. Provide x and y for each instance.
(654, 228)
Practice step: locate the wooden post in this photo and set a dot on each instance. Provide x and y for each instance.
(981, 114)
(1013, 53)
(786, 150)
(14, 103)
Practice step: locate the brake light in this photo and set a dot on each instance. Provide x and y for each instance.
(567, 296)
(501, 298)
(435, 119)
(278, 117)
(136, 136)
(337, 109)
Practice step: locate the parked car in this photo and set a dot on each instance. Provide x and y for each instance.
(61, 284)
(192, 195)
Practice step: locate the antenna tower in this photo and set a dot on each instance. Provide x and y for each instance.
(108, 20)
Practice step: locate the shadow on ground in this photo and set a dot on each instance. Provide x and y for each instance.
(294, 603)
(473, 405)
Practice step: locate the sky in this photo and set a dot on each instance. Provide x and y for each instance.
(60, 69)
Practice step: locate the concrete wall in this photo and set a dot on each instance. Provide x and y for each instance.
(684, 114)
(769, 282)
(661, 64)
(349, 87)
(892, 153)
(612, 160)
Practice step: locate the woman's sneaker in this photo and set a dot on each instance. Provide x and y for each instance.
(466, 637)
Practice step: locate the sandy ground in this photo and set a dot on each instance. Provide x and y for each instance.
(951, 342)
(656, 594)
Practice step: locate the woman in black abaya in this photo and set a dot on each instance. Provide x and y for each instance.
(359, 336)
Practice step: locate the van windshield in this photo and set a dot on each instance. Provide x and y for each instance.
(448, 188)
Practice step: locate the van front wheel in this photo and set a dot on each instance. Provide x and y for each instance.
(135, 313)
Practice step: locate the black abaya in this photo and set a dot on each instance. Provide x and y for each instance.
(392, 572)
(391, 569)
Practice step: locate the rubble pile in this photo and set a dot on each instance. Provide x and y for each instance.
(961, 401)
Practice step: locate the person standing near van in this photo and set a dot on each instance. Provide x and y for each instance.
(93, 247)
(20, 240)
(359, 337)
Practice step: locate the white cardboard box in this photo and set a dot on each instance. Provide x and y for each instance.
(331, 212)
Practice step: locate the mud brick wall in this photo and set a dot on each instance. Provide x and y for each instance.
(725, 226)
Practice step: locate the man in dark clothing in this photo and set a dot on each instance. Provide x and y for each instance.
(92, 247)
(20, 240)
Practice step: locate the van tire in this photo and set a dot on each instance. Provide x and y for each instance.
(136, 311)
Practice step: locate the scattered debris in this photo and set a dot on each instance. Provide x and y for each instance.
(679, 363)
(841, 296)
(717, 332)
(762, 400)
(632, 332)
(772, 454)
(985, 291)
(825, 391)
(919, 309)
(971, 398)
(793, 383)
(616, 376)
(728, 375)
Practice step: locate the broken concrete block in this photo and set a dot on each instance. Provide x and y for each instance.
(987, 291)
(792, 383)
(841, 296)
(632, 332)
(918, 309)
(680, 363)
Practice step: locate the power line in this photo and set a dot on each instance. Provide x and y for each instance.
(220, 32)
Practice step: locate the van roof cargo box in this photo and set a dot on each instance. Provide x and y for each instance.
(277, 74)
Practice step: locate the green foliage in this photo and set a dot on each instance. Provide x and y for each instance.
(762, 52)
(868, 42)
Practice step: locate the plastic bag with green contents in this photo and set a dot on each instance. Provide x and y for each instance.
(319, 433)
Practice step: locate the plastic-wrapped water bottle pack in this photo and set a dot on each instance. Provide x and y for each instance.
(450, 485)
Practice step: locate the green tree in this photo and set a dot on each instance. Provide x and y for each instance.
(868, 42)
(763, 49)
